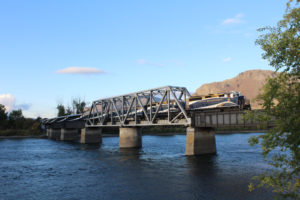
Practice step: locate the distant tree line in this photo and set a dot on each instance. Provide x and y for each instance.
(16, 121)
(77, 107)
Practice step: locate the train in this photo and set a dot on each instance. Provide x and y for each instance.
(229, 100)
(212, 102)
(220, 101)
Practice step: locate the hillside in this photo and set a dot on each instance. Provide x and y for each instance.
(249, 83)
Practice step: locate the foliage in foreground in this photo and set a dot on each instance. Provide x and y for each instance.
(281, 102)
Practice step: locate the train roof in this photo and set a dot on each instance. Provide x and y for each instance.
(215, 95)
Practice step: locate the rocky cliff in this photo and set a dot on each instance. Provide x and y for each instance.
(249, 83)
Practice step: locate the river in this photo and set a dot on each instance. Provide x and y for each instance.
(46, 169)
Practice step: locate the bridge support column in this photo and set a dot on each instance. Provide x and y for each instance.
(200, 141)
(48, 132)
(91, 135)
(130, 138)
(68, 134)
(54, 134)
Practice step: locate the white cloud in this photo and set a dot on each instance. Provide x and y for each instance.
(9, 101)
(146, 62)
(79, 70)
(228, 59)
(238, 19)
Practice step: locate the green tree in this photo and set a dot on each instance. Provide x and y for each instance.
(78, 105)
(69, 111)
(27, 123)
(36, 124)
(3, 116)
(16, 119)
(281, 102)
(3, 113)
(61, 110)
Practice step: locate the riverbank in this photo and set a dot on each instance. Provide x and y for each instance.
(23, 137)
(157, 131)
(20, 133)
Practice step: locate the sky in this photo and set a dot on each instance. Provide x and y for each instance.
(53, 51)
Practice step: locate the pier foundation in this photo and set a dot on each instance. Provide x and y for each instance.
(130, 138)
(200, 141)
(91, 135)
(54, 133)
(48, 132)
(68, 134)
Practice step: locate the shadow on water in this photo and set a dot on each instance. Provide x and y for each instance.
(158, 170)
(130, 153)
(202, 165)
(90, 146)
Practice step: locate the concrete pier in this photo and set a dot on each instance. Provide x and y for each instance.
(91, 135)
(68, 134)
(54, 133)
(200, 141)
(48, 132)
(130, 138)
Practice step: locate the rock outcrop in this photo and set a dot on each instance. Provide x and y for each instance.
(249, 83)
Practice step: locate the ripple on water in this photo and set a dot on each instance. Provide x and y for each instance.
(45, 169)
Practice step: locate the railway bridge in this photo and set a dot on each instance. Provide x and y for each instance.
(164, 106)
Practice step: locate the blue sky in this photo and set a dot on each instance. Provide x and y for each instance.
(53, 51)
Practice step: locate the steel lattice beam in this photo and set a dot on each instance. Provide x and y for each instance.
(158, 106)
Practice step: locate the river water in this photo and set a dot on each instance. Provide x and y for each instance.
(45, 169)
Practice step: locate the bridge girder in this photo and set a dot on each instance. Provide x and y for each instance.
(158, 106)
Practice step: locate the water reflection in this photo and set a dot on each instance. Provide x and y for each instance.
(130, 153)
(199, 165)
(90, 146)
(159, 170)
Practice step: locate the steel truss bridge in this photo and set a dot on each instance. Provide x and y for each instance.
(164, 106)
(159, 106)
(68, 121)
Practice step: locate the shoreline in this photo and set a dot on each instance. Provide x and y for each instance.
(116, 135)
(244, 131)
(23, 136)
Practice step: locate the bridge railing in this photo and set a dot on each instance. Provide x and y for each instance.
(67, 121)
(158, 106)
(227, 119)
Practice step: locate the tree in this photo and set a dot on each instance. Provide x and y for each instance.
(281, 102)
(3, 116)
(16, 119)
(78, 105)
(3, 113)
(61, 110)
(69, 111)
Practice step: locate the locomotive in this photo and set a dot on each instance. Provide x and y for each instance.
(230, 100)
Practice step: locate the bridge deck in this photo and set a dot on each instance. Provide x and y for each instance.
(223, 119)
(164, 106)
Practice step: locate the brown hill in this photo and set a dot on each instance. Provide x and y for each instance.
(249, 83)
